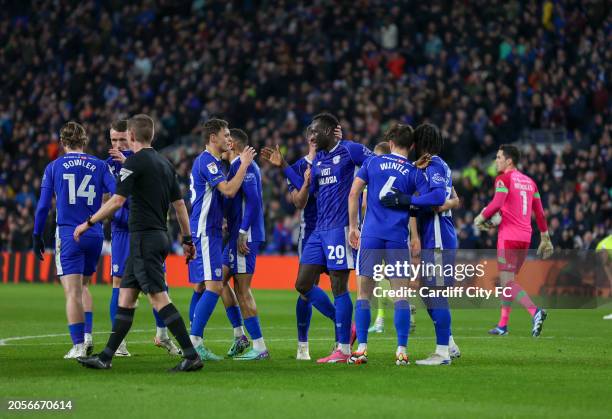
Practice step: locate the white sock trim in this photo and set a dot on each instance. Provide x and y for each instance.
(259, 344)
(238, 332)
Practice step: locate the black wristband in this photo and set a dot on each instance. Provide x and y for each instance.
(187, 239)
(89, 222)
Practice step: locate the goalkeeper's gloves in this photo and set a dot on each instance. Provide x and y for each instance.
(480, 222)
(396, 199)
(545, 249)
(39, 246)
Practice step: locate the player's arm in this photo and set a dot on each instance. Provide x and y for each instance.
(300, 197)
(359, 184)
(415, 240)
(545, 249)
(230, 188)
(451, 203)
(182, 217)
(42, 211)
(249, 188)
(501, 193)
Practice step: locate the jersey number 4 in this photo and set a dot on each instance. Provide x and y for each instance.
(83, 192)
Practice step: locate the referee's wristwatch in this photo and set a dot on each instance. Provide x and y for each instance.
(188, 240)
(89, 222)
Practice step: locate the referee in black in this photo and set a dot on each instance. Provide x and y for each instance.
(151, 182)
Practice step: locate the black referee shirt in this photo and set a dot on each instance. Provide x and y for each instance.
(150, 181)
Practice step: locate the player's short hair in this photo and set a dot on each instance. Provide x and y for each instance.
(327, 121)
(428, 139)
(119, 125)
(73, 135)
(402, 135)
(239, 136)
(143, 128)
(382, 148)
(511, 152)
(212, 126)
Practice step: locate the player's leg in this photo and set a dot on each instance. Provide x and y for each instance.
(162, 339)
(88, 313)
(207, 267)
(234, 315)
(120, 249)
(303, 309)
(363, 316)
(73, 291)
(401, 320)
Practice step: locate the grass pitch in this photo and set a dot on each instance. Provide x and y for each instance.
(565, 373)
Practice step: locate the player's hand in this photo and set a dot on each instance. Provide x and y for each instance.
(480, 222)
(117, 155)
(273, 156)
(423, 161)
(396, 199)
(338, 132)
(39, 246)
(79, 230)
(415, 246)
(307, 177)
(248, 155)
(189, 250)
(545, 249)
(243, 247)
(354, 235)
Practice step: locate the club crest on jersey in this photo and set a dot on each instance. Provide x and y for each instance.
(212, 168)
(124, 173)
(336, 159)
(438, 178)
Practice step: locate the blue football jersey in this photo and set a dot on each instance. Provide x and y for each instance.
(437, 230)
(78, 181)
(245, 210)
(120, 219)
(308, 217)
(206, 201)
(381, 173)
(332, 177)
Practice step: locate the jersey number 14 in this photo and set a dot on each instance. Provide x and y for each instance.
(84, 190)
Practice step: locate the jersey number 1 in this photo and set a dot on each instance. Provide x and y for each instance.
(524, 199)
(82, 192)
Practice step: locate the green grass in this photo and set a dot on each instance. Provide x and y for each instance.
(565, 373)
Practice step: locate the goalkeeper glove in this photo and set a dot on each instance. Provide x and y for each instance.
(545, 249)
(39, 246)
(480, 222)
(396, 199)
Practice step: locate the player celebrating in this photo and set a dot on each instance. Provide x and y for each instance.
(120, 240)
(438, 235)
(384, 235)
(516, 196)
(78, 181)
(245, 223)
(208, 186)
(328, 247)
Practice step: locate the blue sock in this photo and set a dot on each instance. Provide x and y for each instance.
(203, 311)
(363, 316)
(401, 320)
(344, 315)
(159, 322)
(114, 303)
(195, 297)
(88, 321)
(320, 300)
(440, 315)
(253, 327)
(77, 333)
(303, 314)
(234, 315)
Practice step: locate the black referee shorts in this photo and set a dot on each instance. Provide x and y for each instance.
(144, 269)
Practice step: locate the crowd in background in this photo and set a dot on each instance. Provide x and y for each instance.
(485, 71)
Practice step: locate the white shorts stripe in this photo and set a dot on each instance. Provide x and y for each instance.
(350, 261)
(241, 267)
(206, 258)
(58, 253)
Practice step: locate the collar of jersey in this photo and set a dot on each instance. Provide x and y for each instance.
(308, 160)
(213, 156)
(235, 158)
(335, 147)
(75, 152)
(398, 155)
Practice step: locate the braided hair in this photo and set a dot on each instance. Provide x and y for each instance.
(73, 135)
(428, 140)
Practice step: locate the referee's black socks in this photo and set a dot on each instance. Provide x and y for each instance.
(173, 320)
(121, 327)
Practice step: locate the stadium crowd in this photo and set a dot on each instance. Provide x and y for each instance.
(483, 71)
